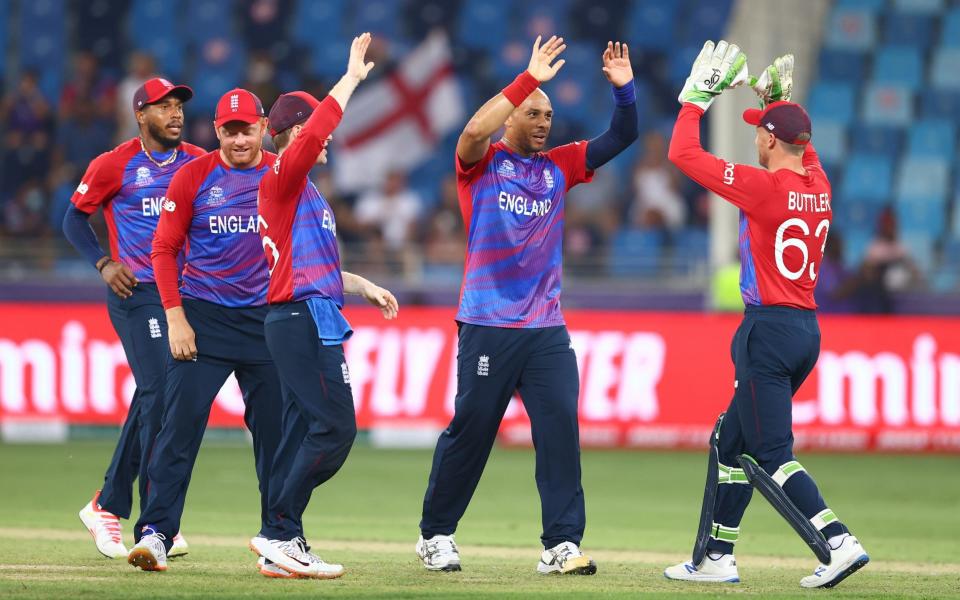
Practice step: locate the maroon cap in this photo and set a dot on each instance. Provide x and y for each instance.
(156, 89)
(238, 105)
(786, 120)
(291, 109)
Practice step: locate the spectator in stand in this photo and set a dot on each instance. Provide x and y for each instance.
(88, 83)
(887, 268)
(444, 237)
(83, 135)
(392, 211)
(27, 120)
(140, 68)
(24, 215)
(657, 201)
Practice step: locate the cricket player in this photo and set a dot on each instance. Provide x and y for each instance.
(129, 183)
(215, 318)
(785, 215)
(305, 328)
(512, 335)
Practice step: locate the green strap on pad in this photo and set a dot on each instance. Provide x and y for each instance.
(725, 534)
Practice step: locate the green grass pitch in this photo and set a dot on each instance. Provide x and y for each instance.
(642, 508)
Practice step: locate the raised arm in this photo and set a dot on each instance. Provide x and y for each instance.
(624, 128)
(475, 139)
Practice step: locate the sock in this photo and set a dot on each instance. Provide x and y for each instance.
(836, 540)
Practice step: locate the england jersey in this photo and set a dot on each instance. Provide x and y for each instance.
(211, 209)
(784, 216)
(513, 208)
(131, 189)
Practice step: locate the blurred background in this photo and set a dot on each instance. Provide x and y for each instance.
(879, 78)
(651, 268)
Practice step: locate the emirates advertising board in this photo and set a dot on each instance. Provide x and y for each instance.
(647, 380)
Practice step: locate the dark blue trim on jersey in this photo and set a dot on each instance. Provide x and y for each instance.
(624, 129)
(77, 230)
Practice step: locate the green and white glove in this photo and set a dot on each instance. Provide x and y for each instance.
(717, 68)
(775, 84)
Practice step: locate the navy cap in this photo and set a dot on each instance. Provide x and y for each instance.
(786, 120)
(291, 109)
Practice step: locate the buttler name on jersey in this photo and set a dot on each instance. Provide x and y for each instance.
(817, 203)
(516, 203)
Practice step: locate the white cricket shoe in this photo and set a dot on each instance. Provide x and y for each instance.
(180, 547)
(722, 569)
(566, 559)
(104, 526)
(268, 568)
(439, 553)
(845, 560)
(149, 554)
(292, 556)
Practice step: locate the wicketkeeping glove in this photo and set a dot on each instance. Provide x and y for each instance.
(776, 81)
(717, 68)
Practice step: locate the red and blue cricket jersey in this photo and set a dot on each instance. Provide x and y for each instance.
(784, 216)
(212, 208)
(131, 189)
(297, 225)
(513, 208)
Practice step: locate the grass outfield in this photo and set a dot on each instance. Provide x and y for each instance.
(641, 509)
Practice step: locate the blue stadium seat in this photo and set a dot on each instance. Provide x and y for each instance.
(152, 26)
(703, 21)
(328, 55)
(314, 21)
(208, 18)
(899, 65)
(908, 29)
(42, 44)
(657, 22)
(378, 17)
(636, 252)
(831, 101)
(887, 104)
(851, 29)
(927, 7)
(932, 139)
(944, 73)
(480, 24)
(877, 139)
(940, 104)
(830, 138)
(691, 248)
(855, 214)
(869, 5)
(950, 29)
(867, 178)
(679, 63)
(855, 244)
(922, 215)
(922, 178)
(208, 85)
(841, 65)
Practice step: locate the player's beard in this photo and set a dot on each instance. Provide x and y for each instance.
(162, 137)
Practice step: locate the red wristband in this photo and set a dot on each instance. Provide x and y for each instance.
(521, 87)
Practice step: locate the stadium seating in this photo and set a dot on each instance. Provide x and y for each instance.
(45, 46)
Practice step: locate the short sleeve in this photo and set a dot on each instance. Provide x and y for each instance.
(572, 160)
(466, 173)
(101, 182)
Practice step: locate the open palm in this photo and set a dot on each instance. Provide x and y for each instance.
(616, 64)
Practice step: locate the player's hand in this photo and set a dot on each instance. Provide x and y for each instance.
(540, 61)
(775, 84)
(382, 299)
(183, 341)
(357, 68)
(616, 64)
(120, 278)
(716, 69)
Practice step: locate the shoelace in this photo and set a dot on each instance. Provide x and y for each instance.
(441, 546)
(294, 549)
(564, 553)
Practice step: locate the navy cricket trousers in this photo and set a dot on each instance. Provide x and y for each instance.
(141, 324)
(493, 363)
(773, 352)
(229, 340)
(319, 420)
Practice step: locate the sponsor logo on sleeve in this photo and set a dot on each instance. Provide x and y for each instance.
(169, 205)
(82, 188)
(728, 174)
